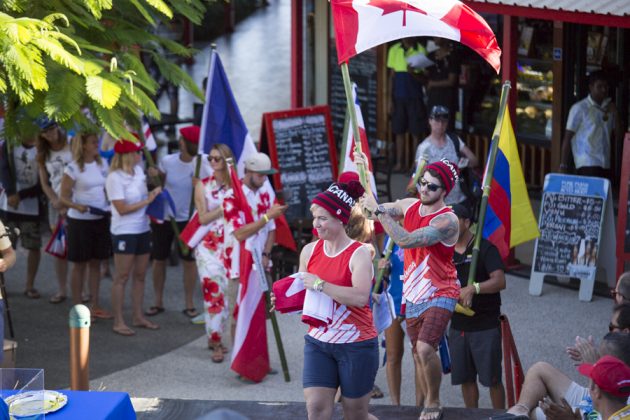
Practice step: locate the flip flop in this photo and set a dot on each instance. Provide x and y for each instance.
(57, 299)
(86, 298)
(435, 412)
(190, 312)
(376, 392)
(101, 314)
(217, 355)
(32, 294)
(126, 331)
(148, 326)
(154, 310)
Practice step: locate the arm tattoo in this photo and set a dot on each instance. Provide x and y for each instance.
(441, 229)
(394, 213)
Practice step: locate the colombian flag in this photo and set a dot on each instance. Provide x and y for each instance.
(509, 217)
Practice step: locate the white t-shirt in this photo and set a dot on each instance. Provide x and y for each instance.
(593, 125)
(131, 189)
(434, 153)
(55, 165)
(26, 176)
(179, 182)
(89, 188)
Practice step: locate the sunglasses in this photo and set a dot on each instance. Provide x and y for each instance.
(215, 158)
(430, 186)
(612, 327)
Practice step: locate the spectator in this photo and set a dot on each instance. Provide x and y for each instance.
(131, 237)
(217, 253)
(442, 145)
(475, 342)
(177, 173)
(609, 387)
(443, 78)
(621, 293)
(590, 126)
(53, 154)
(7, 260)
(406, 106)
(89, 241)
(20, 203)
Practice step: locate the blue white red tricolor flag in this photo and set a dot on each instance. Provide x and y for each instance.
(348, 162)
(363, 24)
(157, 210)
(222, 121)
(509, 217)
(250, 356)
(57, 245)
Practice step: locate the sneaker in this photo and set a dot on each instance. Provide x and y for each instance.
(199, 319)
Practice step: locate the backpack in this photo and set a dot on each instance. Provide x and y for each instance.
(469, 181)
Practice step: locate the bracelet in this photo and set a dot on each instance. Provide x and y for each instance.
(318, 284)
(265, 218)
(477, 288)
(266, 254)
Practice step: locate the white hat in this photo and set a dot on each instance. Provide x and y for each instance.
(260, 163)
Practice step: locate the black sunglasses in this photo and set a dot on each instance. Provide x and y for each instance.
(612, 327)
(215, 158)
(430, 186)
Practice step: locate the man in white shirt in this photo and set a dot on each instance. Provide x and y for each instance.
(590, 126)
(177, 173)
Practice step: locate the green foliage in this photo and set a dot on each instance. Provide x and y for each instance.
(55, 58)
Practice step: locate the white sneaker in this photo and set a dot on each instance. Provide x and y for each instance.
(199, 319)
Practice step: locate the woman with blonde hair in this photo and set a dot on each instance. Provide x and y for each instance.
(127, 191)
(53, 154)
(83, 192)
(217, 253)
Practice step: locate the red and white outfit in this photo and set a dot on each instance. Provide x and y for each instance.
(217, 257)
(429, 271)
(349, 324)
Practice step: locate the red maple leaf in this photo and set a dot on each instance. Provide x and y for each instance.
(391, 6)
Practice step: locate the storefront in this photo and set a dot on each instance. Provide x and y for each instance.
(547, 53)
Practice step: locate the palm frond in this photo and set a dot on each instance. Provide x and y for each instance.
(143, 11)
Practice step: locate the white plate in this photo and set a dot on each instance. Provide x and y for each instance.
(35, 402)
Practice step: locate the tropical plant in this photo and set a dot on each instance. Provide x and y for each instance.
(81, 61)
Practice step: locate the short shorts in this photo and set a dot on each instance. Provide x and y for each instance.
(351, 366)
(88, 239)
(135, 243)
(475, 354)
(429, 327)
(162, 236)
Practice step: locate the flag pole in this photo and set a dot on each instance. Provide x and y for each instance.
(347, 85)
(213, 48)
(487, 180)
(344, 141)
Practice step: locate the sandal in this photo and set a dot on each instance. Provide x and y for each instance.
(431, 413)
(376, 392)
(190, 312)
(86, 298)
(124, 331)
(57, 298)
(32, 294)
(148, 325)
(154, 310)
(101, 314)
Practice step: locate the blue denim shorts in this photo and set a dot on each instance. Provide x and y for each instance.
(352, 366)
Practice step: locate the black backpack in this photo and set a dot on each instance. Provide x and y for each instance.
(469, 181)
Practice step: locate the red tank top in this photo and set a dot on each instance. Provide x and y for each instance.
(429, 271)
(350, 323)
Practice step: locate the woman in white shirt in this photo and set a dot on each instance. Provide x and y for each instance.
(131, 237)
(53, 154)
(83, 193)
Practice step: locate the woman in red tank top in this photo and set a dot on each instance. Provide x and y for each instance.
(344, 353)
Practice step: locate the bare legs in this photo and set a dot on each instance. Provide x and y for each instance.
(470, 393)
(541, 379)
(159, 279)
(431, 373)
(320, 404)
(32, 265)
(394, 341)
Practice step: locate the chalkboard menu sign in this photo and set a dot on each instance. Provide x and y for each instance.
(577, 238)
(301, 146)
(363, 72)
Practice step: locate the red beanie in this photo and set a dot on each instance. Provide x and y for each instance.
(447, 171)
(339, 199)
(348, 176)
(191, 133)
(126, 146)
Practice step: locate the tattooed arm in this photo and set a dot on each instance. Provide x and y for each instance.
(442, 228)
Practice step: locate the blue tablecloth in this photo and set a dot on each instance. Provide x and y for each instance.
(95, 406)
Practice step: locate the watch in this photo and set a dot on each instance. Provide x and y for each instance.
(380, 209)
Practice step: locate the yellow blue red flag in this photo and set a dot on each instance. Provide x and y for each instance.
(509, 217)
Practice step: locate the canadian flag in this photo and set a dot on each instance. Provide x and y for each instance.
(348, 163)
(363, 24)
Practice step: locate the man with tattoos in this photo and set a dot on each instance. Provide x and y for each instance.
(428, 235)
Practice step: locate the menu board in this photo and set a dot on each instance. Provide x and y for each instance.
(363, 72)
(301, 147)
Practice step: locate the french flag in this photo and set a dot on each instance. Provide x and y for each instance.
(348, 162)
(363, 24)
(250, 356)
(222, 121)
(57, 245)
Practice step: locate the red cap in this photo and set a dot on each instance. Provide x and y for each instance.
(448, 172)
(348, 176)
(610, 374)
(126, 146)
(191, 133)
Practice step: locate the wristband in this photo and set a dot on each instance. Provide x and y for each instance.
(477, 288)
(265, 218)
(318, 284)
